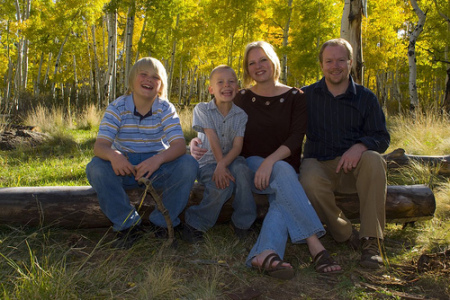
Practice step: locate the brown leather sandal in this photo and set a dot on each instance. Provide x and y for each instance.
(278, 271)
(323, 260)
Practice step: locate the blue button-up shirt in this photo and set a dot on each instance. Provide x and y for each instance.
(207, 115)
(337, 123)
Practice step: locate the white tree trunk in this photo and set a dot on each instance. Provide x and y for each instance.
(446, 102)
(44, 83)
(191, 87)
(285, 43)
(91, 87)
(20, 79)
(97, 75)
(110, 84)
(37, 89)
(172, 63)
(58, 59)
(413, 96)
(129, 43)
(180, 84)
(75, 82)
(8, 79)
(351, 31)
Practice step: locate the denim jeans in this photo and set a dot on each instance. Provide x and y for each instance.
(290, 212)
(204, 215)
(174, 179)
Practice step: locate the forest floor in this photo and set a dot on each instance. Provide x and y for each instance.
(223, 255)
(399, 279)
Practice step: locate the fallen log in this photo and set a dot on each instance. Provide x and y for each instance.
(399, 158)
(77, 206)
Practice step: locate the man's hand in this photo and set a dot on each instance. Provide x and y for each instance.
(196, 151)
(349, 160)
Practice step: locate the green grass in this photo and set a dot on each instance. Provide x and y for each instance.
(56, 263)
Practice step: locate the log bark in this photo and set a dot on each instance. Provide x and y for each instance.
(399, 158)
(77, 206)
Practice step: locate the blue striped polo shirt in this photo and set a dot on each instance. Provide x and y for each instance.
(132, 133)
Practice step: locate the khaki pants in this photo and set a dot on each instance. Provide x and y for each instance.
(368, 179)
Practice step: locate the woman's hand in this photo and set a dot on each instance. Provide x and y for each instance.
(262, 175)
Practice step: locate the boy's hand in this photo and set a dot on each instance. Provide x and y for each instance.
(147, 167)
(121, 165)
(222, 177)
(196, 151)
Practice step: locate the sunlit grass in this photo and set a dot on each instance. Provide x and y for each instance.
(52, 263)
(424, 134)
(186, 114)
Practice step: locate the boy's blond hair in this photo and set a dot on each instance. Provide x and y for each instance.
(147, 63)
(222, 67)
(271, 54)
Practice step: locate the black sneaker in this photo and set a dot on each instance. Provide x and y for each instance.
(162, 232)
(191, 235)
(159, 232)
(126, 238)
(370, 256)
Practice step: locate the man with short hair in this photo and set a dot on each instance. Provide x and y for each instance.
(346, 134)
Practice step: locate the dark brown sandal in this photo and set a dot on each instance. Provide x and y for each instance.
(323, 260)
(278, 271)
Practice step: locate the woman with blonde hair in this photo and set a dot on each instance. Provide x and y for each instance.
(272, 146)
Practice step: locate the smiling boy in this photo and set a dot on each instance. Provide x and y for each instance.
(221, 125)
(140, 136)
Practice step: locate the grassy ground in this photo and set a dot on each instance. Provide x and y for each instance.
(56, 263)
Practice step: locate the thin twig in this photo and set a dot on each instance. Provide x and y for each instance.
(149, 189)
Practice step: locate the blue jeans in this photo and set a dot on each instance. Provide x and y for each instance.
(290, 212)
(204, 215)
(174, 179)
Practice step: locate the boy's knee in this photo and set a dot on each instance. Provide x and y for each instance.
(240, 168)
(96, 167)
(188, 165)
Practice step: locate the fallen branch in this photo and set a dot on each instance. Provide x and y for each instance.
(399, 158)
(160, 206)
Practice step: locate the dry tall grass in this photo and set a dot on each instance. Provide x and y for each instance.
(57, 119)
(424, 134)
(54, 263)
(186, 114)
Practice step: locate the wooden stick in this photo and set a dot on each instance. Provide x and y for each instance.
(149, 189)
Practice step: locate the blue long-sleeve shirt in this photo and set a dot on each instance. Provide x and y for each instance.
(337, 123)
